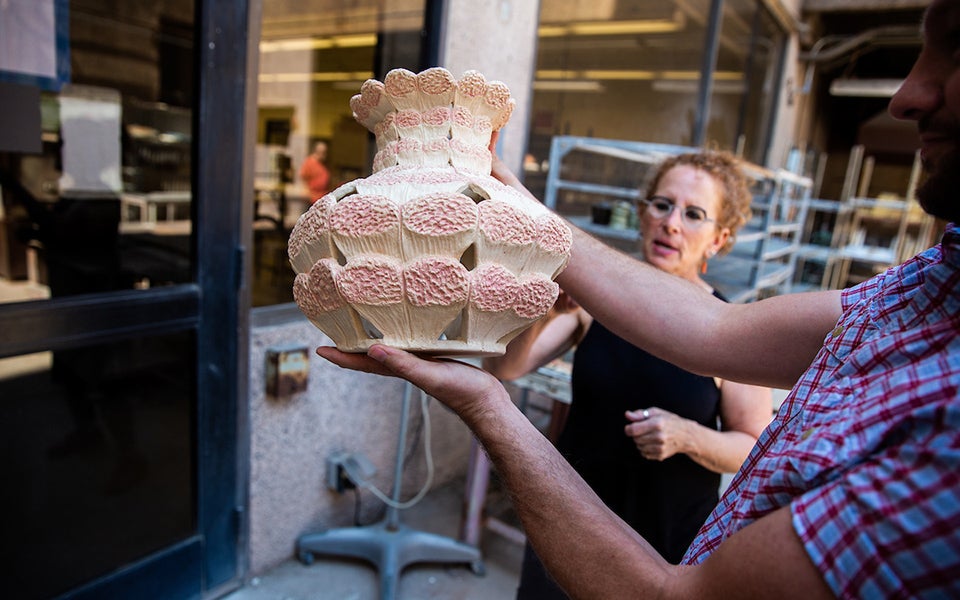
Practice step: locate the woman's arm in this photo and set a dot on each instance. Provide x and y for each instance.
(744, 411)
(542, 342)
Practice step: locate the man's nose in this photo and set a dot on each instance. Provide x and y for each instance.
(921, 93)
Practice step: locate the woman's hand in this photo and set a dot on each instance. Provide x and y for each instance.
(499, 169)
(564, 304)
(462, 387)
(657, 433)
(502, 173)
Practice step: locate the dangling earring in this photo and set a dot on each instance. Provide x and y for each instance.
(703, 265)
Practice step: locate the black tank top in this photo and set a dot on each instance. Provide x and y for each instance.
(666, 502)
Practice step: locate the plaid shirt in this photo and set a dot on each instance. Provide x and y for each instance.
(866, 448)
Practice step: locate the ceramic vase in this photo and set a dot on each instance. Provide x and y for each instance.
(429, 253)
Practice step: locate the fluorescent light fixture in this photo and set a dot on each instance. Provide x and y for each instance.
(315, 77)
(568, 86)
(558, 74)
(608, 74)
(727, 76)
(349, 84)
(631, 75)
(553, 30)
(362, 40)
(677, 23)
(695, 75)
(682, 75)
(692, 87)
(865, 88)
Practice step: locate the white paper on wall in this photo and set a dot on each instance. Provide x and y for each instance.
(90, 134)
(28, 37)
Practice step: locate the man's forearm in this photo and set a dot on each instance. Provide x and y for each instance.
(648, 307)
(768, 343)
(591, 552)
(566, 523)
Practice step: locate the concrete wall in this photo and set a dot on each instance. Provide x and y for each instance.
(788, 115)
(290, 439)
(499, 39)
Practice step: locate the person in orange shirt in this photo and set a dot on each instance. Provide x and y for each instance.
(314, 172)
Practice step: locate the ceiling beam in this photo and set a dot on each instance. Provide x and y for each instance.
(815, 6)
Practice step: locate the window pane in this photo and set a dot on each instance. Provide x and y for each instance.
(314, 55)
(97, 198)
(746, 81)
(625, 70)
(619, 70)
(631, 69)
(97, 444)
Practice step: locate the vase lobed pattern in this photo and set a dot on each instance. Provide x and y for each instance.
(430, 253)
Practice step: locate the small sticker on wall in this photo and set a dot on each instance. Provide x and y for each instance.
(288, 370)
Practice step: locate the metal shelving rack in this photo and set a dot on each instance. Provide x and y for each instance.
(856, 219)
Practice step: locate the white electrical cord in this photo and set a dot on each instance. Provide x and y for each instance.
(425, 415)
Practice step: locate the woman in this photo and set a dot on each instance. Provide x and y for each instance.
(643, 433)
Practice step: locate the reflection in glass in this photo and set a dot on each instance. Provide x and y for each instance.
(97, 445)
(631, 70)
(103, 202)
(742, 107)
(314, 55)
(617, 70)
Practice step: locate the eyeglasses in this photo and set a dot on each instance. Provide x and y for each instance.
(660, 207)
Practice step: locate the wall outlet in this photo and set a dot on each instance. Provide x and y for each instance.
(346, 470)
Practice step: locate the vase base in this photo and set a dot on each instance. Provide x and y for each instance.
(437, 349)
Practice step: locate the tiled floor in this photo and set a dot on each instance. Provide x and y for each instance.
(330, 578)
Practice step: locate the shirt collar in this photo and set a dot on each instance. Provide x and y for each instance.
(950, 245)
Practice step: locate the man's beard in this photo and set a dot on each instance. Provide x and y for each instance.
(939, 195)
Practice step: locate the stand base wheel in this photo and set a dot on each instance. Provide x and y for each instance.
(478, 568)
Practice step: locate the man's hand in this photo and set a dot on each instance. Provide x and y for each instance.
(462, 387)
(502, 173)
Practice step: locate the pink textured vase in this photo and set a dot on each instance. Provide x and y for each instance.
(430, 253)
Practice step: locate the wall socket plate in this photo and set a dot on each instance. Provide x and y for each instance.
(346, 470)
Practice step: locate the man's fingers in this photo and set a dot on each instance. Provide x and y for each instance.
(354, 361)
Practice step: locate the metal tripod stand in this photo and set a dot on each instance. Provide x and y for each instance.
(388, 544)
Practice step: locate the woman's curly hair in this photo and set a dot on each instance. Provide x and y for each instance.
(725, 169)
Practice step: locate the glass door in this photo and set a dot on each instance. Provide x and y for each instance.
(121, 174)
(315, 55)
